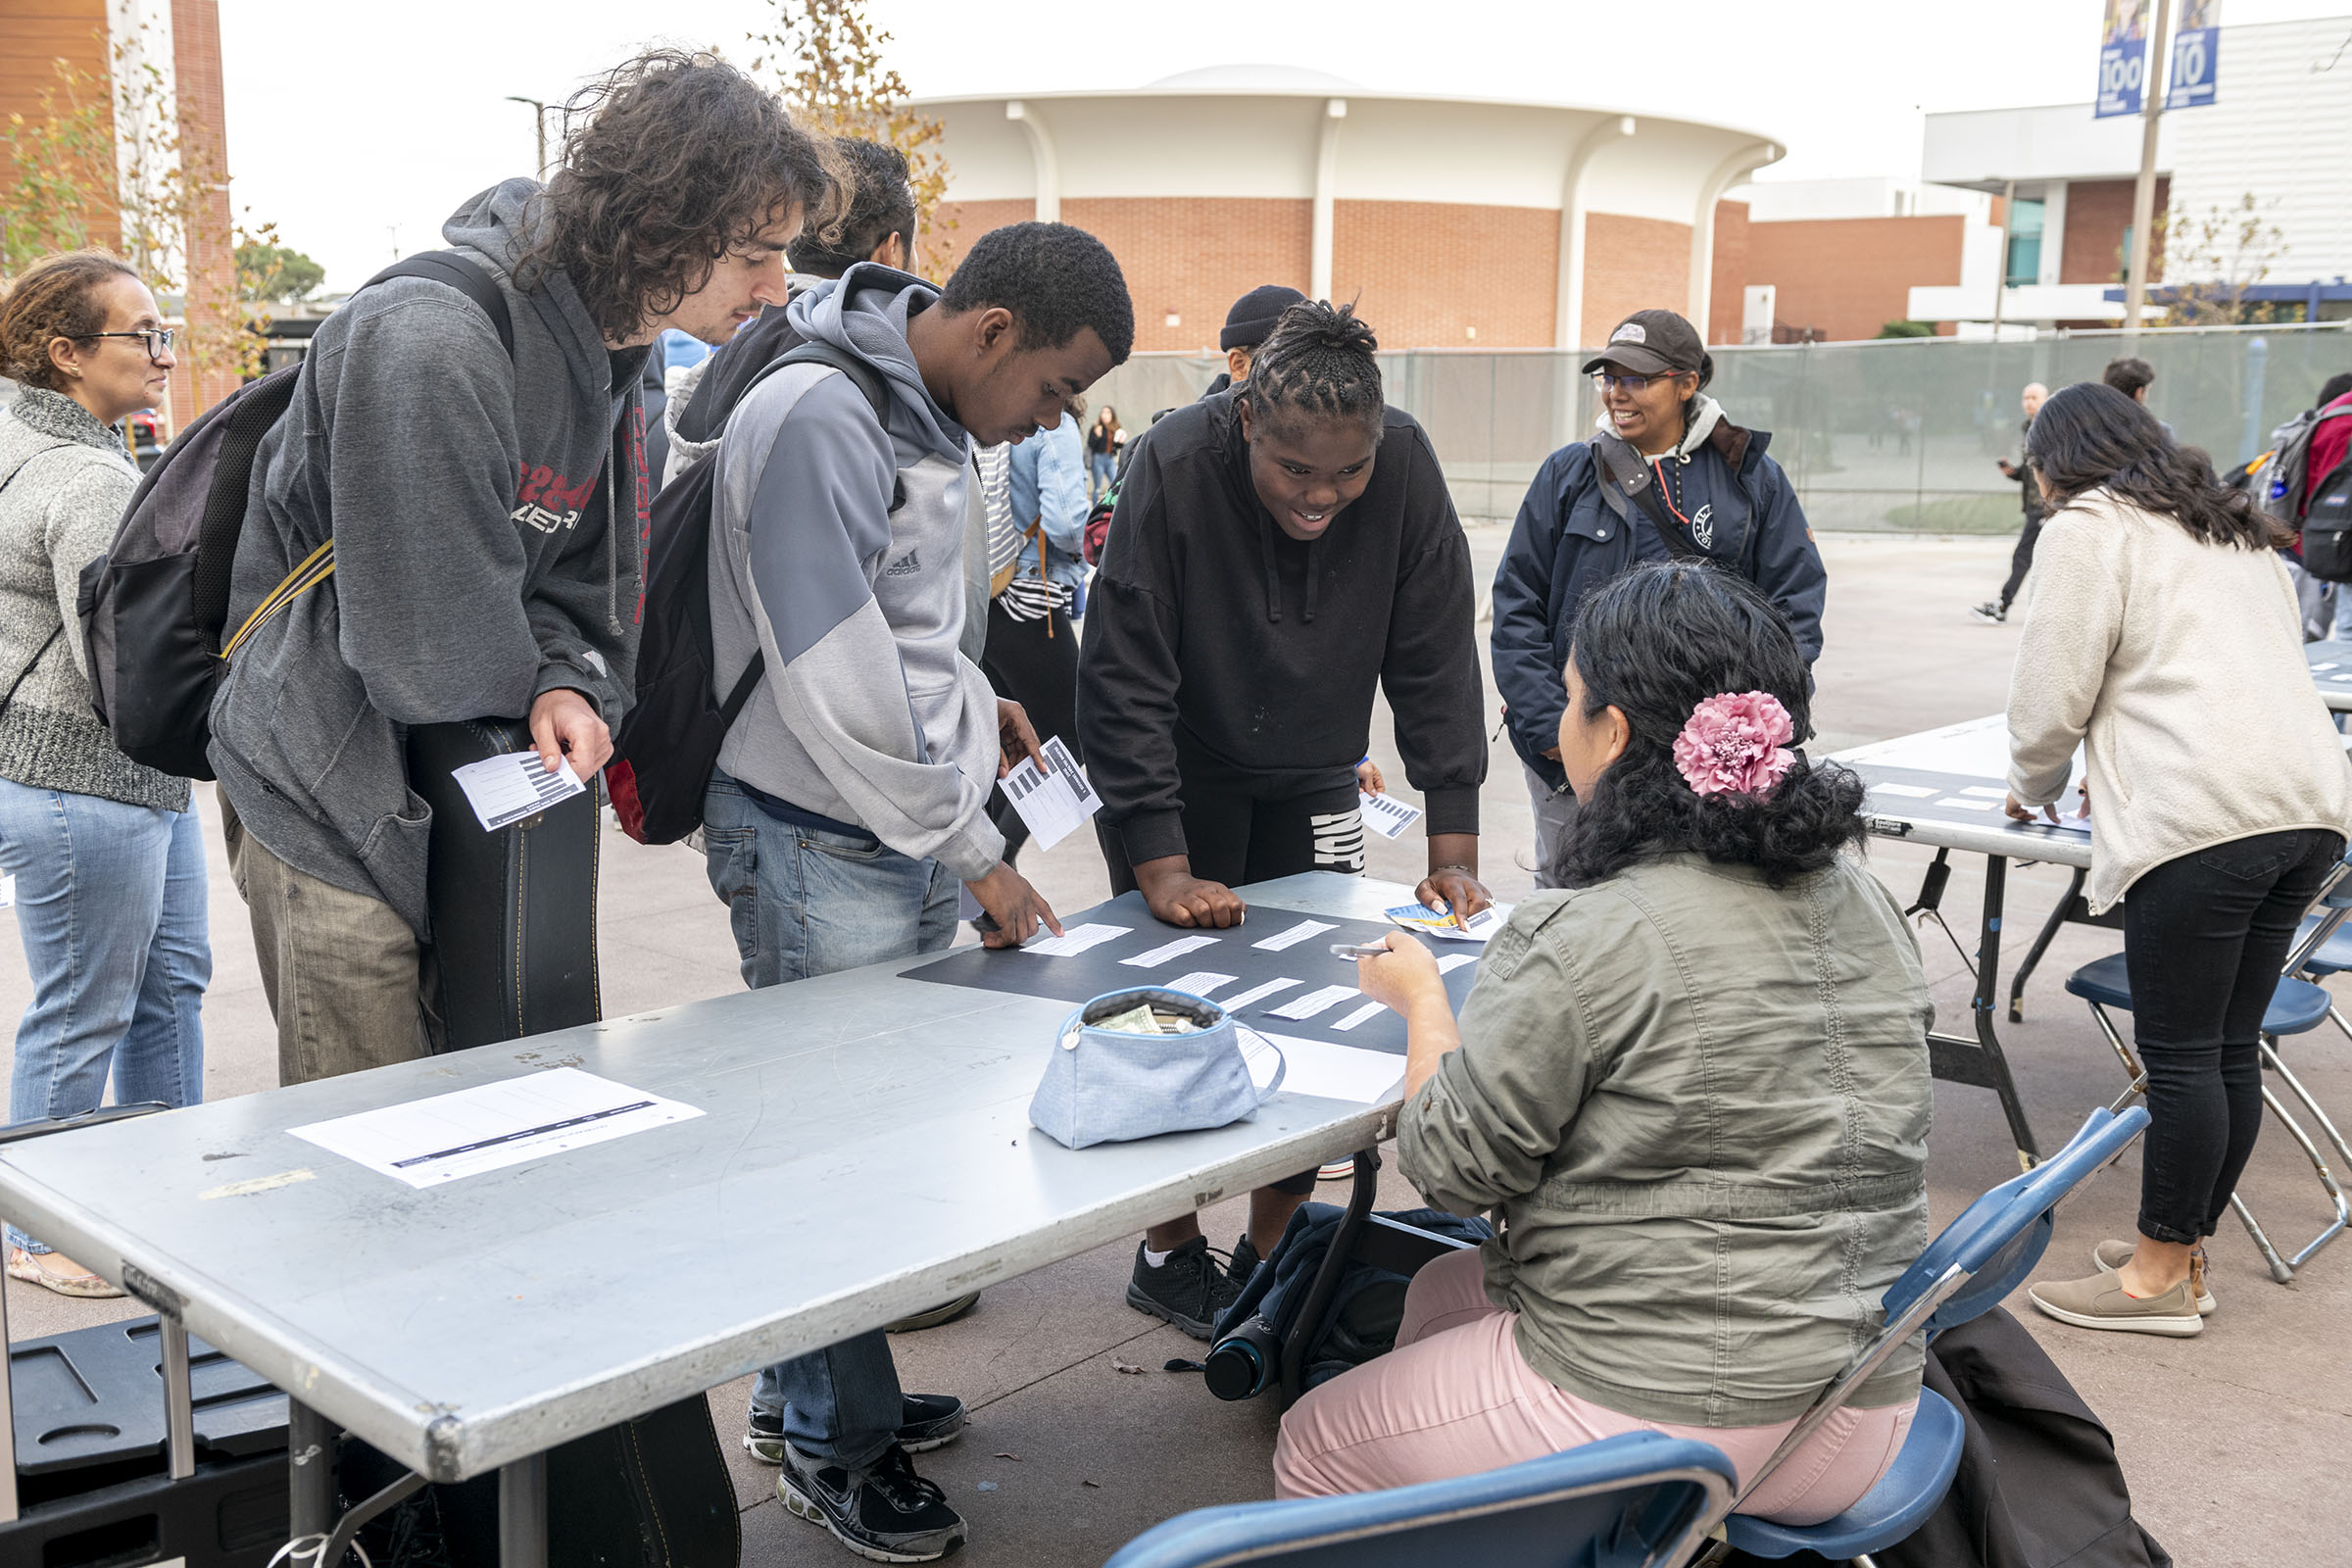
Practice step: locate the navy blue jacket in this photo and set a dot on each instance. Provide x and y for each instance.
(1568, 541)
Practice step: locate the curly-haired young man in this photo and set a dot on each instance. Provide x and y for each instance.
(487, 516)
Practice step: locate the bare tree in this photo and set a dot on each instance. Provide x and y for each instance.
(2218, 256)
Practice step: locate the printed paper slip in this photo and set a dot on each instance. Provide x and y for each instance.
(1201, 982)
(1454, 960)
(1329, 1070)
(1385, 815)
(1294, 936)
(1075, 939)
(1315, 1001)
(1256, 994)
(427, 1142)
(1055, 800)
(1916, 792)
(1363, 1015)
(1167, 952)
(1440, 923)
(504, 790)
(1967, 805)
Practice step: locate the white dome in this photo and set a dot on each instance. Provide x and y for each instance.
(1258, 78)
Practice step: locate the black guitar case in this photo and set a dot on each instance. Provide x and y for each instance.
(514, 912)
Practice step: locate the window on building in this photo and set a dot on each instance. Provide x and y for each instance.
(2123, 270)
(2024, 264)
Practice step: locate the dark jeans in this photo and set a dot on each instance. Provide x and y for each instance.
(1039, 671)
(2021, 561)
(2204, 937)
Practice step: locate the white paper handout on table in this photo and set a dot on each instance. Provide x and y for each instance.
(1454, 960)
(1986, 792)
(1329, 1070)
(1967, 805)
(491, 1126)
(1256, 994)
(1055, 800)
(504, 790)
(1385, 815)
(1315, 1002)
(1075, 939)
(1363, 1014)
(1168, 950)
(1201, 982)
(1916, 792)
(1294, 935)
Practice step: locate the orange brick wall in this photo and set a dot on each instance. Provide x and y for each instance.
(958, 224)
(1427, 275)
(1191, 257)
(1851, 277)
(211, 278)
(1725, 290)
(2097, 212)
(35, 34)
(1632, 264)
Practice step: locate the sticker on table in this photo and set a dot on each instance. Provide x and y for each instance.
(504, 790)
(1200, 983)
(1168, 951)
(1385, 815)
(1967, 805)
(1257, 994)
(1075, 939)
(1363, 1014)
(491, 1126)
(1294, 936)
(1915, 792)
(1307, 1006)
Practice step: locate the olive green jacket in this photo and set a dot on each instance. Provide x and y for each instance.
(1699, 1109)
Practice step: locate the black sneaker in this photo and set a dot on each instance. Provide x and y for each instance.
(1243, 1264)
(1190, 1289)
(884, 1511)
(929, 1421)
(1991, 612)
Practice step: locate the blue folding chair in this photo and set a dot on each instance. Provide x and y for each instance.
(1978, 1260)
(1639, 1500)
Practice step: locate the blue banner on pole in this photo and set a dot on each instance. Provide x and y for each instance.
(2196, 56)
(2122, 58)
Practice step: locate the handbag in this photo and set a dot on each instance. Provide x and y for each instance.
(1104, 1085)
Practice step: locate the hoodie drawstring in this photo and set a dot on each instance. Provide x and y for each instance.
(1265, 555)
(1314, 569)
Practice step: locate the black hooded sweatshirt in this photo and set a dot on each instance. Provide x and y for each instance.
(1213, 631)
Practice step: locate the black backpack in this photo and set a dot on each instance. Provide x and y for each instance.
(2328, 525)
(154, 606)
(671, 737)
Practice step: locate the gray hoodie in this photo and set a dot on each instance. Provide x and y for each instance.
(478, 561)
(868, 713)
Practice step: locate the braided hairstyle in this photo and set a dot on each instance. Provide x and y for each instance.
(56, 297)
(1319, 363)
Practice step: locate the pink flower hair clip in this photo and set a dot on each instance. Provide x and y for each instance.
(1736, 742)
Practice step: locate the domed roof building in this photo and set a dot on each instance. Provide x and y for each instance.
(1454, 222)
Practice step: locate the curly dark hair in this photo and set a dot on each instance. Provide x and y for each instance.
(55, 297)
(881, 204)
(1319, 361)
(670, 162)
(1056, 281)
(1653, 645)
(2089, 436)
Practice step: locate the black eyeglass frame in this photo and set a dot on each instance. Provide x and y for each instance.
(147, 335)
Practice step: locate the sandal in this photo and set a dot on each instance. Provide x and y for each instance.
(33, 1268)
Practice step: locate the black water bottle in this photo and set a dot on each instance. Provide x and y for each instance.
(1244, 1362)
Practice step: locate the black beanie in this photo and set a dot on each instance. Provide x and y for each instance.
(1252, 320)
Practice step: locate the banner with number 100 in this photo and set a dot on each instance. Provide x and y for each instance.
(2122, 58)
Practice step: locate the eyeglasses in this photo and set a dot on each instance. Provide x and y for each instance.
(1630, 383)
(158, 339)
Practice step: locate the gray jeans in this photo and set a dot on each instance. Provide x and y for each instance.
(1555, 813)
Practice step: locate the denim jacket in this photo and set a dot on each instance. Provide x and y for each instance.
(1049, 486)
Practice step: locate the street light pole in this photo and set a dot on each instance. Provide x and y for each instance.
(538, 126)
(2144, 194)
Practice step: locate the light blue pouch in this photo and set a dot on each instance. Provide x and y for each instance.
(1105, 1086)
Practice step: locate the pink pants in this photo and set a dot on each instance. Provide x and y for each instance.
(1456, 1398)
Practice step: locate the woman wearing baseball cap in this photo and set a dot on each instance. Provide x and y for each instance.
(1666, 476)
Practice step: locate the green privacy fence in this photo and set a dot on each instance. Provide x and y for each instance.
(1901, 435)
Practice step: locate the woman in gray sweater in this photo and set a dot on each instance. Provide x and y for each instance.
(1691, 1084)
(107, 857)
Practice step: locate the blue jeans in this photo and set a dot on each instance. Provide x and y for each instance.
(111, 909)
(2342, 630)
(1102, 468)
(805, 901)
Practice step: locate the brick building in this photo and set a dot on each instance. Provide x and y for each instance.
(1453, 223)
(181, 40)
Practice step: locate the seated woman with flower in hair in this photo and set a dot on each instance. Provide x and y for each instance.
(1691, 1084)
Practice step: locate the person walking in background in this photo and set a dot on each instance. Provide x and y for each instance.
(107, 855)
(1249, 323)
(2164, 643)
(2021, 561)
(1104, 438)
(1032, 648)
(2131, 377)
(1666, 476)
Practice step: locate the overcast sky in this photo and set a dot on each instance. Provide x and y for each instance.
(357, 130)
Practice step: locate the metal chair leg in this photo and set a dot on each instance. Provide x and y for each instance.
(2282, 1268)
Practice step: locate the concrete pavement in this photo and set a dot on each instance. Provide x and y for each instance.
(2229, 1441)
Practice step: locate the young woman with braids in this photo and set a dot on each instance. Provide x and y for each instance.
(1280, 550)
(1706, 1173)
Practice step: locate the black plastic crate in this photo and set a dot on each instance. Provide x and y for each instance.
(233, 1513)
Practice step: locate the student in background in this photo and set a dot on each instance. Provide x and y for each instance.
(107, 855)
(1280, 550)
(852, 794)
(2021, 561)
(1104, 439)
(1248, 324)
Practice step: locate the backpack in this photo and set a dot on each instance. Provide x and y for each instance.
(1098, 526)
(2328, 525)
(154, 606)
(671, 737)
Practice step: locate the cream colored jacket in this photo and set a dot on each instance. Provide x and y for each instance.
(2182, 667)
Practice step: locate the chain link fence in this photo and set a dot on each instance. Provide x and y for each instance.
(1901, 435)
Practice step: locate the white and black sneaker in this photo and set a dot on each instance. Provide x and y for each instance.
(1993, 611)
(882, 1511)
(1189, 1288)
(929, 1421)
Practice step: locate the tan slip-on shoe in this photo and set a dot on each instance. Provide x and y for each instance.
(34, 1268)
(2112, 1256)
(2101, 1302)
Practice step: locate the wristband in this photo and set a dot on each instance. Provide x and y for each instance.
(1468, 871)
